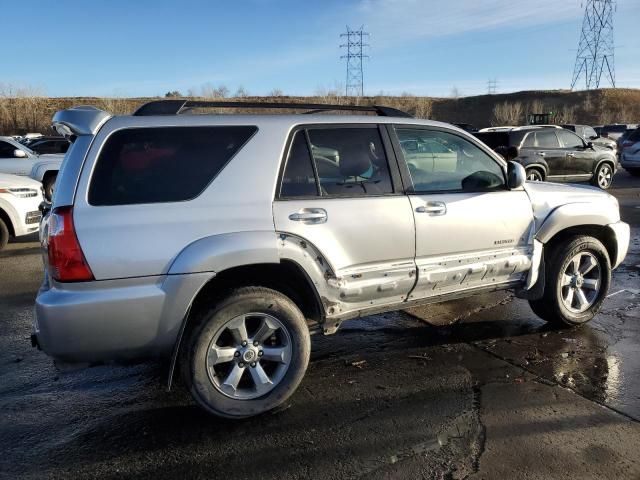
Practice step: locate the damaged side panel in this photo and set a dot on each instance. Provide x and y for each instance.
(352, 289)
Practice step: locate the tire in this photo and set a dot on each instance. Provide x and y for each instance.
(4, 234)
(603, 176)
(534, 175)
(558, 306)
(49, 184)
(634, 171)
(215, 356)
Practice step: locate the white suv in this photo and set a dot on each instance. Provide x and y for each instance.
(20, 199)
(223, 241)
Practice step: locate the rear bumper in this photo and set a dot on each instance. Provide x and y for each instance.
(114, 319)
(622, 234)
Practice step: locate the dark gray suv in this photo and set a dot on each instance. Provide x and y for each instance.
(556, 154)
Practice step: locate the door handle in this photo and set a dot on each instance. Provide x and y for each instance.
(433, 208)
(309, 215)
(540, 154)
(571, 154)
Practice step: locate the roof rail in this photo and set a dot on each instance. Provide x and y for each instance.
(175, 107)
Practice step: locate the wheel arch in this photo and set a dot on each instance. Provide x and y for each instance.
(7, 220)
(601, 232)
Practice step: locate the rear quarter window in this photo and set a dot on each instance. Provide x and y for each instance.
(162, 164)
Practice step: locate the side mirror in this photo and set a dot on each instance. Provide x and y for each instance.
(516, 175)
(590, 145)
(17, 153)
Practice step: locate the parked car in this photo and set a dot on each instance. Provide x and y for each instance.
(20, 198)
(630, 153)
(588, 134)
(556, 154)
(622, 138)
(615, 130)
(18, 159)
(44, 145)
(222, 242)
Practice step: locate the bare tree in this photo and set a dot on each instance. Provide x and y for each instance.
(423, 107)
(455, 92)
(115, 106)
(507, 113)
(241, 92)
(276, 92)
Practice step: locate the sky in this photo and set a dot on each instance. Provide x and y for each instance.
(425, 47)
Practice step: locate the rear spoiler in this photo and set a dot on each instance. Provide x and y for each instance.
(81, 120)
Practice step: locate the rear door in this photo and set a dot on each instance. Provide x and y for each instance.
(547, 147)
(345, 199)
(471, 231)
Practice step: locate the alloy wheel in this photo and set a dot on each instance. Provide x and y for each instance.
(605, 175)
(581, 282)
(534, 176)
(249, 356)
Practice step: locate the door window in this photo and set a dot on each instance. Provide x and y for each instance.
(570, 140)
(443, 162)
(547, 139)
(344, 161)
(6, 150)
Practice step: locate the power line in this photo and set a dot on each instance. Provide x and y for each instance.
(492, 87)
(355, 72)
(595, 55)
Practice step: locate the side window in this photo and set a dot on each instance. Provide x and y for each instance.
(529, 140)
(350, 161)
(6, 150)
(298, 179)
(440, 161)
(570, 139)
(163, 164)
(589, 133)
(547, 139)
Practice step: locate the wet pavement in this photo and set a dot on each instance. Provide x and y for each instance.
(478, 388)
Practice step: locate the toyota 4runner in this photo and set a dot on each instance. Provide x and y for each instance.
(221, 242)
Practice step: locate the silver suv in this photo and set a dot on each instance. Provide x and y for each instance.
(223, 241)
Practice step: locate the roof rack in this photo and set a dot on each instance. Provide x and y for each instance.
(175, 107)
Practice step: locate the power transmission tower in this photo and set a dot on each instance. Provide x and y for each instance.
(596, 49)
(492, 87)
(354, 56)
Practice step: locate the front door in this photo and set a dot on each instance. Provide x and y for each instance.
(471, 231)
(548, 148)
(9, 163)
(580, 158)
(339, 194)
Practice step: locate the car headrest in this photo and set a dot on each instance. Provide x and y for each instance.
(354, 161)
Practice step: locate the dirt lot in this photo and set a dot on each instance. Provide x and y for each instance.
(495, 394)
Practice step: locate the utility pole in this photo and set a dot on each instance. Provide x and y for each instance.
(355, 73)
(492, 87)
(595, 55)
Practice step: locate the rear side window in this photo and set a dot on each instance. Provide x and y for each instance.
(164, 164)
(634, 136)
(547, 139)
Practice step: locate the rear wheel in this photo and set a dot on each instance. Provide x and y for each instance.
(248, 354)
(4, 234)
(603, 177)
(534, 175)
(578, 275)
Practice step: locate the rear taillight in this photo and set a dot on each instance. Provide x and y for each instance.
(66, 260)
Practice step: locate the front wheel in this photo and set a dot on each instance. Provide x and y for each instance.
(603, 177)
(578, 275)
(534, 175)
(4, 234)
(248, 354)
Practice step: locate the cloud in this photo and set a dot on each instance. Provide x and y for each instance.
(399, 21)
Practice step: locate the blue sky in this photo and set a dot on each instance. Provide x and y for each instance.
(145, 48)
